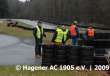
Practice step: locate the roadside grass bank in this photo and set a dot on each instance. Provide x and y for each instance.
(15, 31)
(11, 71)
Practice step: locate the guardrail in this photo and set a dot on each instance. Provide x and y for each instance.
(51, 26)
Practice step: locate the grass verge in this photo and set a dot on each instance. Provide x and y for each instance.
(14, 31)
(11, 71)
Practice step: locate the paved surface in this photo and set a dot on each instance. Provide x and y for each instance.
(15, 51)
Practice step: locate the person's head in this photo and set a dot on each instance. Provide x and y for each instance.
(75, 22)
(64, 27)
(59, 26)
(39, 22)
(90, 26)
(72, 24)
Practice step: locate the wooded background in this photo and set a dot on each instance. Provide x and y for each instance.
(58, 11)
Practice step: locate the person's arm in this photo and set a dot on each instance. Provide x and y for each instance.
(34, 31)
(77, 30)
(54, 37)
(68, 35)
(44, 33)
(94, 31)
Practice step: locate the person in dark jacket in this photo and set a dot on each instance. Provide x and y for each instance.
(38, 33)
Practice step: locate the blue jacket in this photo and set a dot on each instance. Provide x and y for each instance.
(77, 30)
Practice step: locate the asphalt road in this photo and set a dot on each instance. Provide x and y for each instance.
(14, 51)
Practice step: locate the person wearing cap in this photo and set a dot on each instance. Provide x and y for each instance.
(65, 34)
(90, 32)
(74, 32)
(58, 36)
(38, 33)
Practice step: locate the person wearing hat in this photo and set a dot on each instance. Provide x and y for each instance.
(38, 33)
(74, 32)
(58, 36)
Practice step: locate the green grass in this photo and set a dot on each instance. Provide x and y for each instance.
(14, 31)
(11, 71)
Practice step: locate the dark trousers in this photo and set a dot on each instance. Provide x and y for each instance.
(74, 40)
(90, 39)
(38, 46)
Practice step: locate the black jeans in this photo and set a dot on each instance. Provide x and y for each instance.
(38, 46)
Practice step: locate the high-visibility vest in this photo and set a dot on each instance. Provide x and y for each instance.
(65, 34)
(90, 32)
(59, 36)
(39, 32)
(73, 30)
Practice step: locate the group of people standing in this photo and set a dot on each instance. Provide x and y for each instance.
(62, 34)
